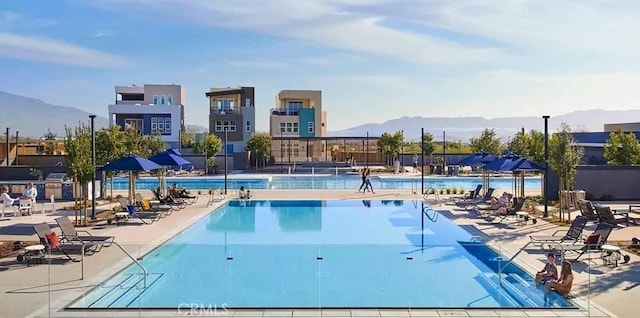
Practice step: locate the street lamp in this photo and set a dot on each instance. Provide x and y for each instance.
(546, 166)
(225, 159)
(402, 151)
(17, 146)
(366, 158)
(93, 165)
(8, 147)
(422, 161)
(444, 150)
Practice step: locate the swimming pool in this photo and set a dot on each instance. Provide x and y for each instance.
(322, 254)
(326, 182)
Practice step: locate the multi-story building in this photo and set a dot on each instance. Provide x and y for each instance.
(151, 108)
(297, 123)
(232, 111)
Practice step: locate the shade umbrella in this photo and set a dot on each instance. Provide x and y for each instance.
(479, 159)
(522, 166)
(131, 163)
(169, 158)
(505, 163)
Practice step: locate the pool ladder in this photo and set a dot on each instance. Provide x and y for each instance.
(436, 195)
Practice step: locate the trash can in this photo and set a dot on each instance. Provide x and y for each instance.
(53, 185)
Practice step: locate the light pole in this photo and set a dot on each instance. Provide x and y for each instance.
(366, 162)
(8, 147)
(225, 159)
(17, 147)
(545, 193)
(444, 150)
(422, 160)
(93, 165)
(402, 151)
(281, 153)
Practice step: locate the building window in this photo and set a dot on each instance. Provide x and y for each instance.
(154, 124)
(155, 99)
(296, 127)
(218, 127)
(293, 107)
(225, 106)
(248, 126)
(310, 127)
(169, 100)
(133, 122)
(160, 125)
(229, 125)
(289, 127)
(247, 102)
(167, 126)
(162, 100)
(283, 127)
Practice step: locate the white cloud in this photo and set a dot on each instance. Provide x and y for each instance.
(102, 33)
(330, 23)
(49, 50)
(8, 17)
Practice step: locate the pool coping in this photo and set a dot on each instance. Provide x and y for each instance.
(59, 307)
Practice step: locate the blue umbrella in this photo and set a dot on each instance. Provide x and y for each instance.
(476, 159)
(526, 165)
(174, 151)
(131, 163)
(168, 158)
(504, 163)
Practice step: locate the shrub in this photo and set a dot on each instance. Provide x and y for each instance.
(199, 192)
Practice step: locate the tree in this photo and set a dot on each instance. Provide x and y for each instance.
(622, 149)
(487, 142)
(428, 145)
(110, 145)
(210, 146)
(564, 156)
(260, 146)
(536, 147)
(519, 144)
(78, 146)
(50, 138)
(390, 145)
(187, 139)
(153, 144)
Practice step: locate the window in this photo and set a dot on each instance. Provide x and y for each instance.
(225, 106)
(133, 122)
(310, 127)
(155, 99)
(167, 125)
(169, 100)
(247, 102)
(296, 128)
(289, 127)
(229, 125)
(154, 124)
(293, 107)
(162, 100)
(248, 125)
(282, 127)
(161, 125)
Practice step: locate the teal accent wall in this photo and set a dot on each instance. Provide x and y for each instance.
(306, 116)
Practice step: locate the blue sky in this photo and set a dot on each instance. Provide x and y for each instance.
(373, 59)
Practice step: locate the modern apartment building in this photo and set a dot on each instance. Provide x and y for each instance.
(232, 110)
(296, 123)
(151, 108)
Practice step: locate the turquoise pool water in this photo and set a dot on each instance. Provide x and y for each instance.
(326, 182)
(322, 254)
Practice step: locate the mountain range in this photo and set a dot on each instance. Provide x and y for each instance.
(33, 117)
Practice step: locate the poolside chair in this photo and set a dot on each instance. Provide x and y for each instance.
(605, 214)
(473, 194)
(50, 240)
(587, 210)
(146, 206)
(141, 215)
(169, 200)
(592, 244)
(474, 203)
(573, 234)
(70, 234)
(511, 211)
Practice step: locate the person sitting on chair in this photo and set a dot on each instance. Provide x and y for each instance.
(244, 193)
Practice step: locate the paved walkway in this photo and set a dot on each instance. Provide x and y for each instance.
(41, 291)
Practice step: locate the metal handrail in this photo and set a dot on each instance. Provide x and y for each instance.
(436, 195)
(500, 269)
(144, 270)
(435, 217)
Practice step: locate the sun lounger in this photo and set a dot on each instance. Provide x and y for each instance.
(592, 244)
(141, 215)
(573, 235)
(587, 210)
(605, 214)
(146, 206)
(473, 194)
(70, 234)
(518, 204)
(51, 242)
(474, 203)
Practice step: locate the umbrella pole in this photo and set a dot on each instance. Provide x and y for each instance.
(130, 187)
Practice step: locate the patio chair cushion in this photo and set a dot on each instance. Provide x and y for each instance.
(592, 239)
(131, 209)
(146, 205)
(53, 240)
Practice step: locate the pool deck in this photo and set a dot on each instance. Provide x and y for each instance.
(41, 290)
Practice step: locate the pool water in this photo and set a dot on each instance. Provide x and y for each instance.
(322, 254)
(327, 182)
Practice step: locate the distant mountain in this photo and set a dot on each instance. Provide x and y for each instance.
(464, 128)
(33, 117)
(196, 128)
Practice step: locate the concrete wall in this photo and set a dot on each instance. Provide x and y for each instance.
(619, 182)
(43, 160)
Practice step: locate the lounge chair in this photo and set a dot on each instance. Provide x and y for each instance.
(512, 211)
(50, 240)
(169, 200)
(593, 243)
(474, 203)
(473, 194)
(605, 214)
(141, 215)
(70, 234)
(587, 210)
(573, 235)
(146, 206)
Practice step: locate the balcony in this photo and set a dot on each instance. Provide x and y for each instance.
(223, 111)
(285, 111)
